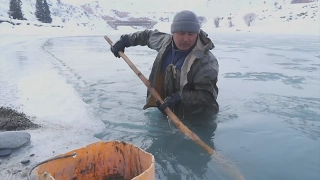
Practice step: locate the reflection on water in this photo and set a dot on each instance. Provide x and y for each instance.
(180, 158)
(259, 147)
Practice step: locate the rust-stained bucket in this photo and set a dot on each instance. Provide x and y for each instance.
(114, 160)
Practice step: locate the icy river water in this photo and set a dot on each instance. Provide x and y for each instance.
(269, 95)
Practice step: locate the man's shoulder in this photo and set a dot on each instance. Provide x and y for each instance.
(158, 37)
(156, 32)
(208, 60)
(211, 56)
(208, 57)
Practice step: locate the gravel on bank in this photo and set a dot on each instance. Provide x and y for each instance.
(12, 120)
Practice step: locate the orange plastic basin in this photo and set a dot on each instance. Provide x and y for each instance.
(114, 160)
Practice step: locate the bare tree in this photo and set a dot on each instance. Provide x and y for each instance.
(230, 24)
(249, 18)
(202, 19)
(216, 21)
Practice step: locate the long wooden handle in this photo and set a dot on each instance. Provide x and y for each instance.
(171, 115)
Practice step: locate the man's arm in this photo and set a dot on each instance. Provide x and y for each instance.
(204, 91)
(151, 38)
(138, 38)
(201, 96)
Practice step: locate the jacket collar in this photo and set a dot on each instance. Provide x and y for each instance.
(201, 47)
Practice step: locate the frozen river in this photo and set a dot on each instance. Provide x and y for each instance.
(269, 96)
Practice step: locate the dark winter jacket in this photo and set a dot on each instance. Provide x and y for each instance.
(196, 81)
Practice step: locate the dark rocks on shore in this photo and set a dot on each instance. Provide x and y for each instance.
(12, 120)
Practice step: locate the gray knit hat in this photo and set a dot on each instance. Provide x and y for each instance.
(185, 21)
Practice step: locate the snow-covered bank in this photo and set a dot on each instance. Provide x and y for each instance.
(294, 28)
(18, 33)
(69, 20)
(30, 84)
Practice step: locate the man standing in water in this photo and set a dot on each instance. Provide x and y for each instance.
(185, 72)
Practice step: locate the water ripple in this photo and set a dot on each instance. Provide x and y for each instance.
(294, 81)
(300, 113)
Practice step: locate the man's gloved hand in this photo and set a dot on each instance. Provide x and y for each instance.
(162, 110)
(170, 101)
(122, 43)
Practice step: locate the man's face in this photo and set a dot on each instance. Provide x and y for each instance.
(184, 40)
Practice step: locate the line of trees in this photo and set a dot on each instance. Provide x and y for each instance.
(42, 11)
(248, 19)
